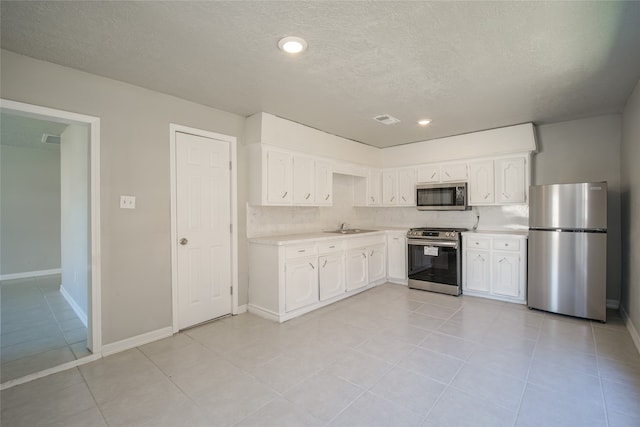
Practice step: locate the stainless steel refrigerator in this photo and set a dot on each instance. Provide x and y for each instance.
(567, 270)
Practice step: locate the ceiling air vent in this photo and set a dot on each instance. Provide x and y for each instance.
(47, 138)
(386, 119)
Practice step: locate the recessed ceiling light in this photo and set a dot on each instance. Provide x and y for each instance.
(292, 44)
(424, 122)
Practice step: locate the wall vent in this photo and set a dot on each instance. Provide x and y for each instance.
(47, 138)
(386, 119)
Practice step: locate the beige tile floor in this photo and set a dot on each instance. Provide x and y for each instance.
(38, 327)
(387, 357)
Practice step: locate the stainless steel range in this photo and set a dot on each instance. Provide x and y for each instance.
(435, 259)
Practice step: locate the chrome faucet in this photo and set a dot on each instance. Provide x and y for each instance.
(344, 226)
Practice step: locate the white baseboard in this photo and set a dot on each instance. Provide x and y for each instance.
(241, 309)
(632, 329)
(28, 274)
(138, 340)
(265, 314)
(74, 305)
(50, 371)
(613, 303)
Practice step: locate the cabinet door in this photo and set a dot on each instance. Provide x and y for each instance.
(429, 173)
(397, 256)
(506, 274)
(331, 275)
(477, 270)
(377, 263)
(324, 183)
(373, 188)
(389, 188)
(511, 180)
(301, 283)
(407, 187)
(356, 269)
(278, 176)
(304, 176)
(481, 183)
(453, 172)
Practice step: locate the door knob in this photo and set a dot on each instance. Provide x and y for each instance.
(183, 241)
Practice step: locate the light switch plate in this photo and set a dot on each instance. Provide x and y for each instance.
(127, 202)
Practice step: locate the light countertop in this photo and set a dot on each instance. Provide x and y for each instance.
(290, 239)
(522, 233)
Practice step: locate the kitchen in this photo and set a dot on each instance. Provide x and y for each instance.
(601, 146)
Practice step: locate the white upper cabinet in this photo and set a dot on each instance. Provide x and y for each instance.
(324, 183)
(451, 172)
(407, 187)
(429, 173)
(481, 183)
(304, 179)
(501, 181)
(389, 188)
(373, 188)
(511, 182)
(278, 177)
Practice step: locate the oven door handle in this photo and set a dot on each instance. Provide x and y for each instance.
(433, 243)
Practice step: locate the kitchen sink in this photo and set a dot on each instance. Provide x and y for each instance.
(350, 231)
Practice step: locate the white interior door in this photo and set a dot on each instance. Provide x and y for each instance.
(203, 196)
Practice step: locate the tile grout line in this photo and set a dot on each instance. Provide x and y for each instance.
(600, 381)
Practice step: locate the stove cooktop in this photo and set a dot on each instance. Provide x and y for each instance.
(449, 233)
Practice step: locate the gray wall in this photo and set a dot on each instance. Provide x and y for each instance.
(75, 203)
(30, 209)
(630, 155)
(580, 151)
(135, 246)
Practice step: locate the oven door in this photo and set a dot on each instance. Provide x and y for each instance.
(434, 265)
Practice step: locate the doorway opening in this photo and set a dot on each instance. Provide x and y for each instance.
(50, 267)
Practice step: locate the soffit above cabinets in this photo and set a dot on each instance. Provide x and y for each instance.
(468, 66)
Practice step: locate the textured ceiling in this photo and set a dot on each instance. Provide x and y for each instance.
(24, 131)
(466, 65)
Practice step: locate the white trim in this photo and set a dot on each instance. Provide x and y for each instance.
(50, 371)
(241, 309)
(173, 129)
(264, 313)
(94, 330)
(631, 328)
(74, 305)
(613, 303)
(29, 274)
(138, 340)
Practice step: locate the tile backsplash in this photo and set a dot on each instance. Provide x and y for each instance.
(280, 220)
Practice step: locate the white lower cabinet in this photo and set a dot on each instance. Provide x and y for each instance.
(287, 280)
(376, 262)
(356, 269)
(495, 266)
(397, 257)
(331, 275)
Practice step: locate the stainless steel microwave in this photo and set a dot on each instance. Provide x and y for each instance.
(446, 196)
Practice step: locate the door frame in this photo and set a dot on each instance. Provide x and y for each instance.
(173, 130)
(94, 318)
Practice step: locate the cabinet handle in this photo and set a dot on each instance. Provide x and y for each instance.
(393, 197)
(487, 195)
(364, 255)
(285, 194)
(481, 258)
(506, 244)
(371, 254)
(308, 195)
(403, 199)
(447, 173)
(477, 243)
(332, 246)
(372, 199)
(502, 260)
(327, 198)
(312, 266)
(433, 175)
(302, 250)
(325, 264)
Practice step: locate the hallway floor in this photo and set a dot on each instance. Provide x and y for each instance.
(389, 356)
(39, 329)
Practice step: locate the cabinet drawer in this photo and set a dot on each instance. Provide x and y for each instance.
(333, 246)
(300, 251)
(478, 242)
(506, 244)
